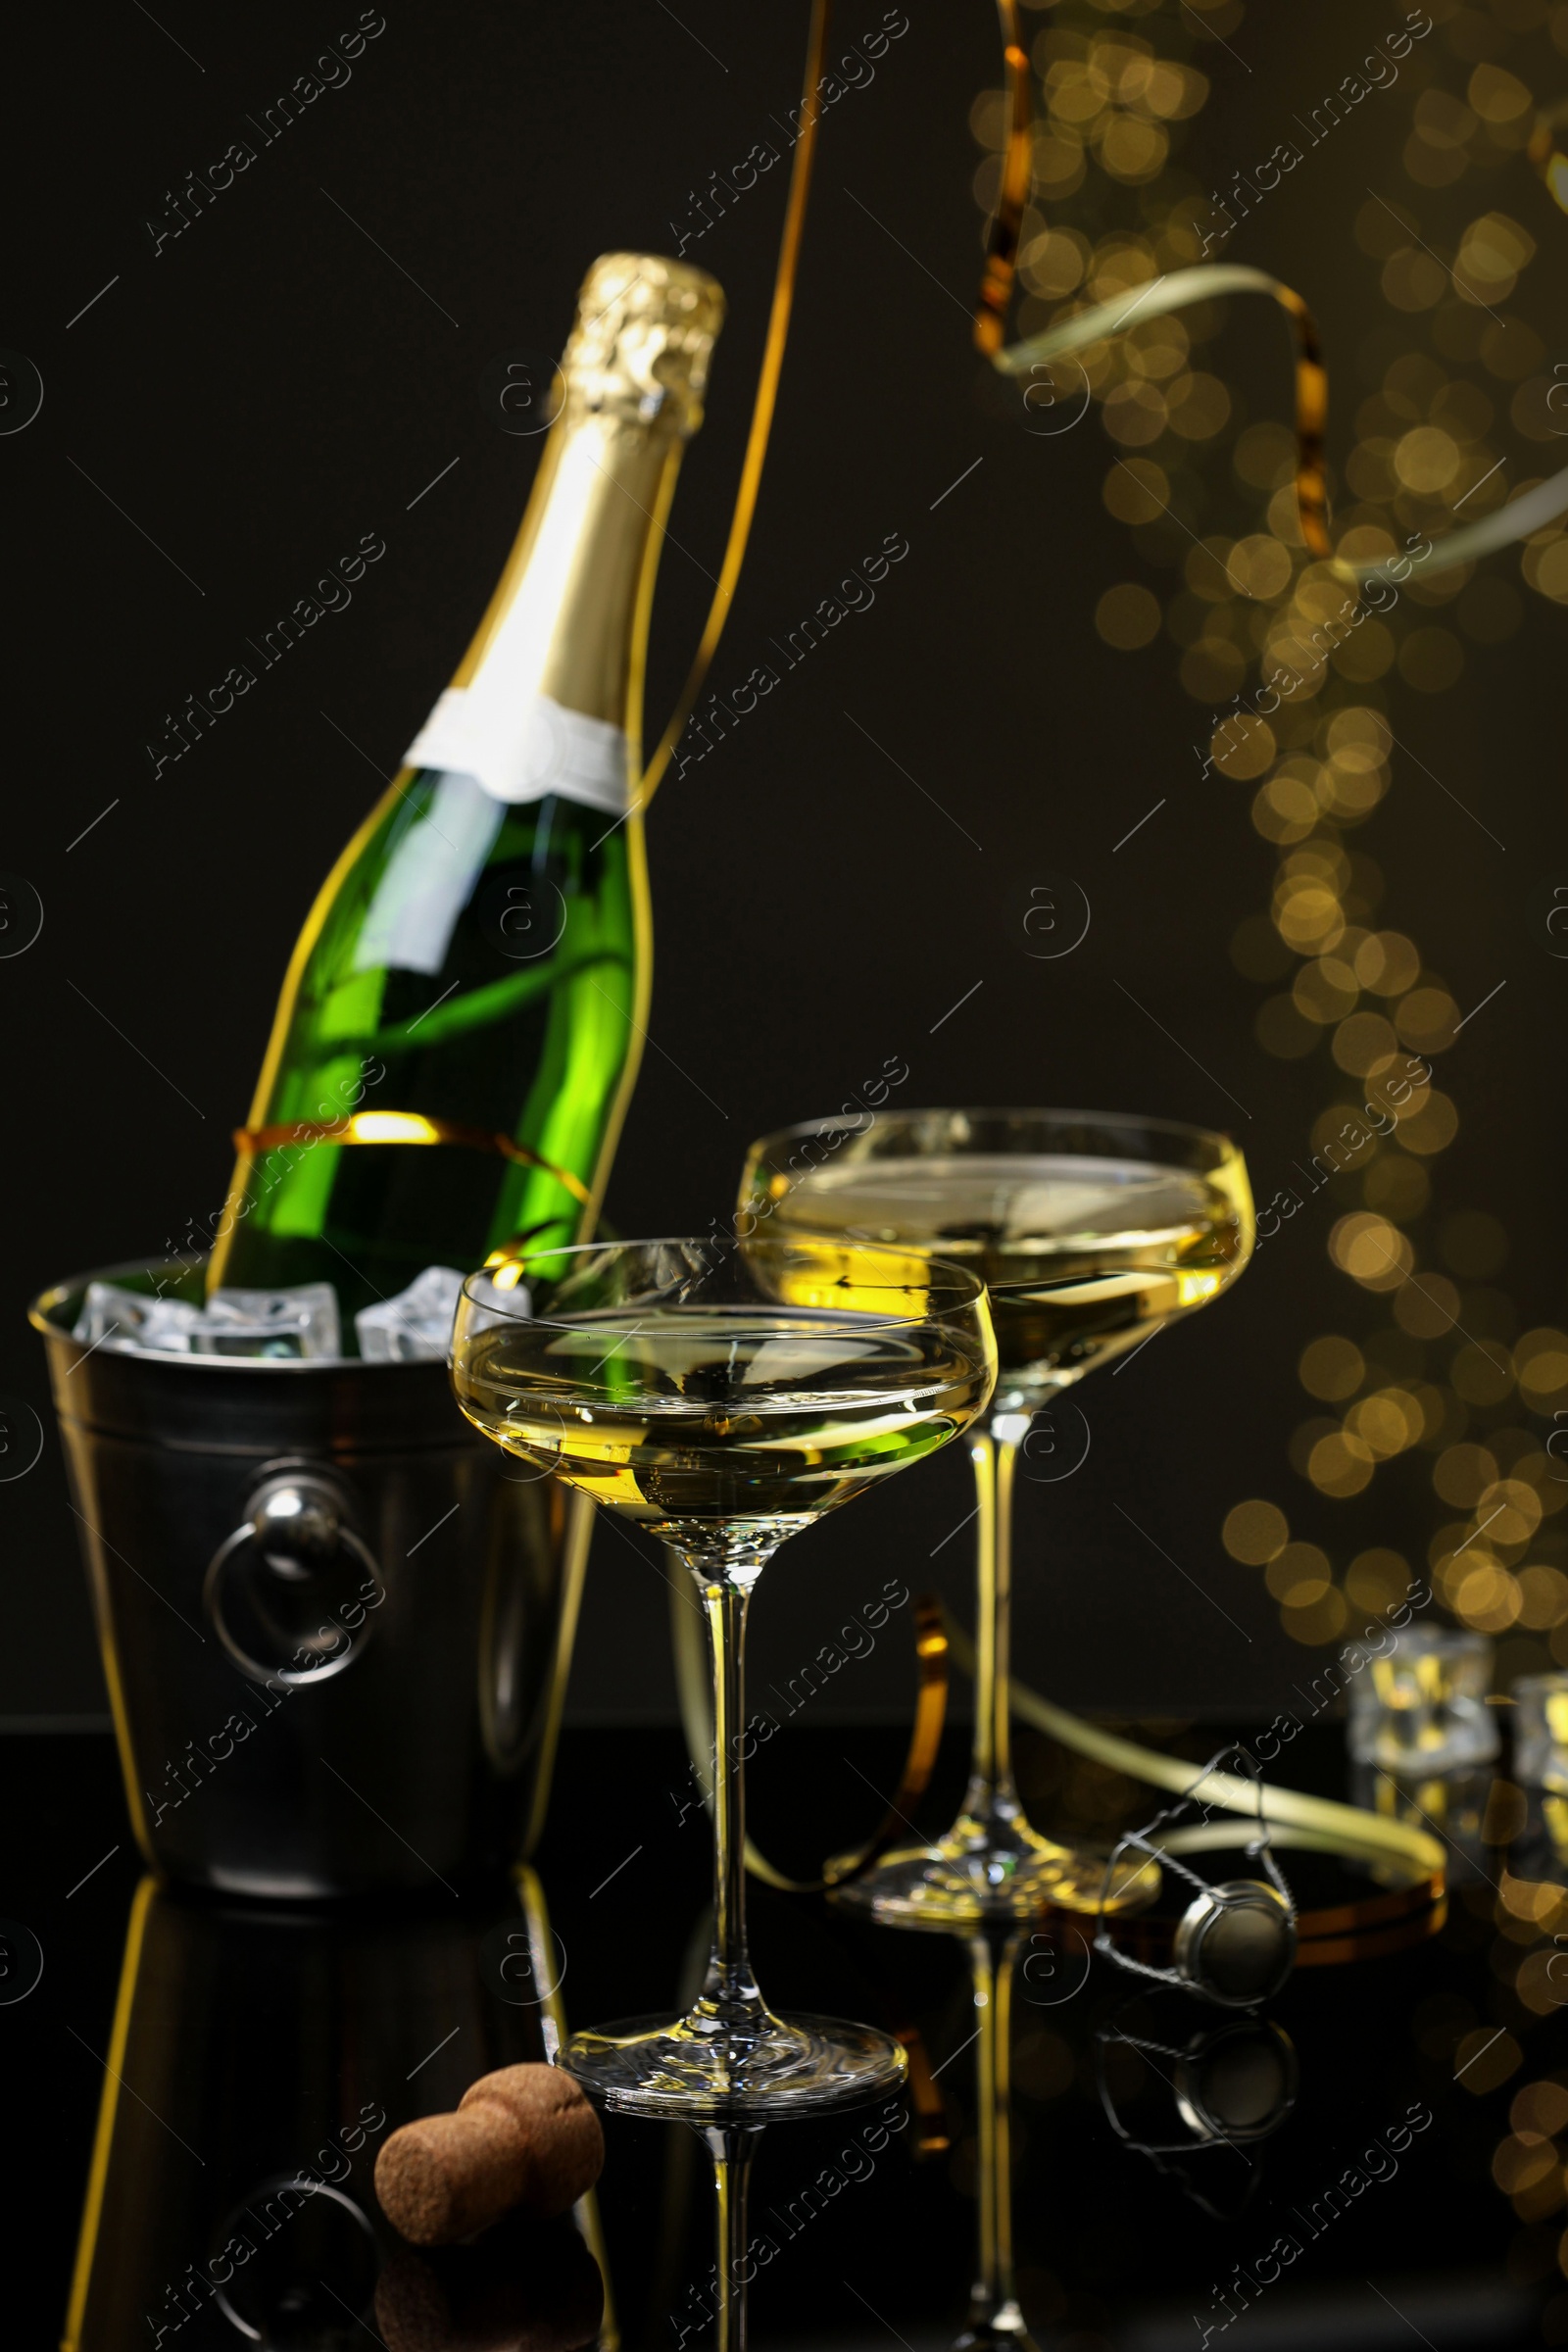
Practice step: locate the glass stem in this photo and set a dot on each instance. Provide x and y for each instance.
(731, 1995)
(992, 1799)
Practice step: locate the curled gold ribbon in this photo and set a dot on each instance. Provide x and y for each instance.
(1297, 1819)
(1007, 223)
(1173, 292)
(1204, 282)
(1316, 1821)
(404, 1127)
(1176, 291)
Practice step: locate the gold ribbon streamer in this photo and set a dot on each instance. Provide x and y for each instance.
(1172, 292)
(1312, 1823)
(1513, 521)
(1207, 280)
(691, 1681)
(404, 1127)
(778, 327)
(1336, 1828)
(1316, 1822)
(1175, 292)
(1001, 241)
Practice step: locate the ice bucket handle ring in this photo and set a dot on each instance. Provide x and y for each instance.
(294, 1531)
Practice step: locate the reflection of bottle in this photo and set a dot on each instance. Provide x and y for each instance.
(473, 973)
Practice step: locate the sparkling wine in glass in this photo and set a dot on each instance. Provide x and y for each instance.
(725, 1393)
(1091, 1230)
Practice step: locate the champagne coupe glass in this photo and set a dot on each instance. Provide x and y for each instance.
(725, 1393)
(1092, 1229)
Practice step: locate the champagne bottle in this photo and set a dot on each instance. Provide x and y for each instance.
(459, 1026)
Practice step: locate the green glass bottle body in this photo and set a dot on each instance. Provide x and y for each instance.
(459, 1028)
(524, 1029)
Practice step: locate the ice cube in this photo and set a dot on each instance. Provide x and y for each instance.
(246, 1339)
(302, 1321)
(111, 1318)
(415, 1325)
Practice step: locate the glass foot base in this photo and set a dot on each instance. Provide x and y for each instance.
(960, 1880)
(672, 2066)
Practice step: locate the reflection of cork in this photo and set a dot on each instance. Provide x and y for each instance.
(528, 2285)
(523, 2136)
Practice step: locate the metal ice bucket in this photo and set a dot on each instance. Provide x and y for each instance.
(335, 1622)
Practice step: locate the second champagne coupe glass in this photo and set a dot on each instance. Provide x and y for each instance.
(1091, 1231)
(725, 1395)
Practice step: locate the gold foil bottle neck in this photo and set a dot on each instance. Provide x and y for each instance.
(643, 337)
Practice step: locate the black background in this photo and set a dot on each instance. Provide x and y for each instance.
(272, 386)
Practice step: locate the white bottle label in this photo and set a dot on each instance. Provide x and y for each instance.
(520, 750)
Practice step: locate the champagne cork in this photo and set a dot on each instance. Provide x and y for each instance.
(523, 2136)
